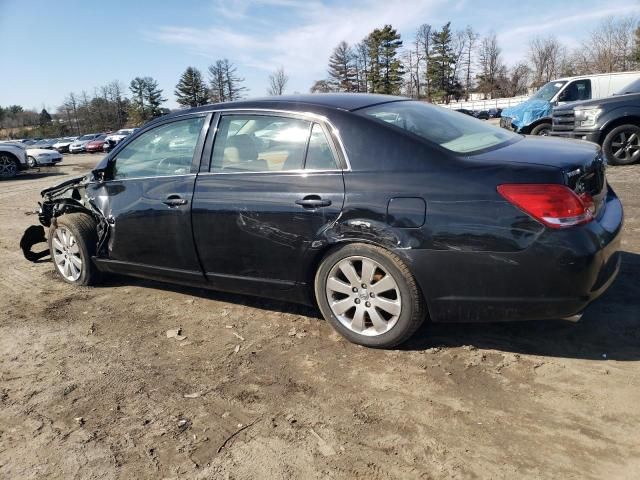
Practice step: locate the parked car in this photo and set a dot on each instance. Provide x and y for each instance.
(46, 143)
(612, 122)
(466, 112)
(13, 158)
(112, 140)
(534, 115)
(42, 157)
(482, 115)
(62, 145)
(495, 112)
(377, 208)
(80, 144)
(95, 145)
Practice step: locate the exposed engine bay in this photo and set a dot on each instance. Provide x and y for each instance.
(67, 197)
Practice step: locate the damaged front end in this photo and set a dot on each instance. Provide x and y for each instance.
(69, 196)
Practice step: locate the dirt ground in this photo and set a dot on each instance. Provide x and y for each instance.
(91, 387)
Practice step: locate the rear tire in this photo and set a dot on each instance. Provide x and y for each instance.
(621, 146)
(72, 243)
(376, 303)
(542, 130)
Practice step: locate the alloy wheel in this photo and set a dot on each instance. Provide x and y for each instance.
(363, 296)
(626, 145)
(66, 254)
(8, 167)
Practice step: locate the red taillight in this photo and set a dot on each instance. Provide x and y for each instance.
(554, 205)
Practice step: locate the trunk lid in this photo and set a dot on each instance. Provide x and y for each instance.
(581, 163)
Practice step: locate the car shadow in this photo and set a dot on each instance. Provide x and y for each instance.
(608, 330)
(113, 280)
(36, 173)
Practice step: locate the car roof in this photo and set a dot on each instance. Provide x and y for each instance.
(338, 101)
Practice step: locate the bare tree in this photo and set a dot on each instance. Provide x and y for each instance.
(321, 86)
(515, 81)
(225, 85)
(423, 39)
(490, 64)
(70, 106)
(459, 47)
(609, 48)
(361, 52)
(547, 57)
(471, 39)
(277, 82)
(410, 84)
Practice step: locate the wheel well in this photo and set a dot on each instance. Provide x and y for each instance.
(310, 275)
(631, 119)
(527, 128)
(11, 156)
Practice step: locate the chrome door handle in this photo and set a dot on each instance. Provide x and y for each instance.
(313, 201)
(175, 201)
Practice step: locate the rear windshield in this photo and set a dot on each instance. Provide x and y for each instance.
(452, 130)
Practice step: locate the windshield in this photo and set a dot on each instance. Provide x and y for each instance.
(87, 137)
(124, 131)
(633, 87)
(451, 130)
(548, 91)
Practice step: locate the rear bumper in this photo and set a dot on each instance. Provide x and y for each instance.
(556, 277)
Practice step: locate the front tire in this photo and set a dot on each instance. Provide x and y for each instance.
(542, 130)
(8, 166)
(32, 162)
(72, 243)
(369, 296)
(621, 146)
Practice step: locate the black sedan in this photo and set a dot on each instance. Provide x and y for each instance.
(381, 210)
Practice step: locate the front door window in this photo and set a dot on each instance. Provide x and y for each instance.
(163, 151)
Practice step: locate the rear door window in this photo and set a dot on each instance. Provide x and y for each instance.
(259, 143)
(319, 154)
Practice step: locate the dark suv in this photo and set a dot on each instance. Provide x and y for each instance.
(612, 122)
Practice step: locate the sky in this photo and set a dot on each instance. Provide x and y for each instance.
(50, 48)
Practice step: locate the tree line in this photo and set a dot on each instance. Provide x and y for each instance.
(441, 65)
(223, 84)
(112, 106)
(436, 64)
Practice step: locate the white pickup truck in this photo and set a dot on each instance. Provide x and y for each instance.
(13, 158)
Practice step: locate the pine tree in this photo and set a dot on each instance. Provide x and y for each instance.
(442, 60)
(44, 121)
(191, 90)
(386, 69)
(154, 97)
(146, 99)
(342, 74)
